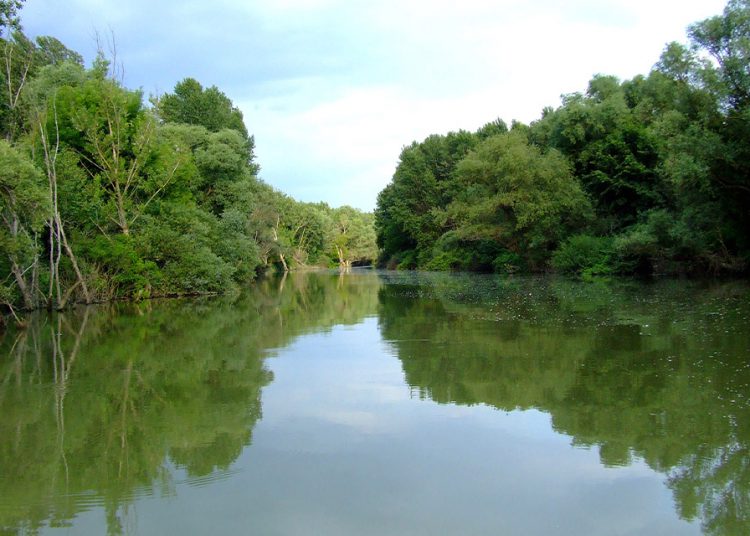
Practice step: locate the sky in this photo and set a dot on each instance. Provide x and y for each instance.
(332, 90)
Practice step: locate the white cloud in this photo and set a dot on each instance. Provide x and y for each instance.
(458, 66)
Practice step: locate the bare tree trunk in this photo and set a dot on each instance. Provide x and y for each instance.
(35, 290)
(18, 274)
(55, 268)
(51, 226)
(69, 251)
(343, 261)
(276, 239)
(122, 217)
(57, 232)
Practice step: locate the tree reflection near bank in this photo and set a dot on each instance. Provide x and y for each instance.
(102, 405)
(659, 372)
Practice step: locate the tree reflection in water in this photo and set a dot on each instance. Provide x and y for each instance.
(98, 406)
(102, 405)
(659, 372)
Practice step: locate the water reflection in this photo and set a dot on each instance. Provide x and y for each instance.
(105, 404)
(658, 372)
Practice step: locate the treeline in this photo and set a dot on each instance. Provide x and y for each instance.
(649, 175)
(104, 196)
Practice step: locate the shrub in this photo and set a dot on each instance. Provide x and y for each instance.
(444, 261)
(126, 272)
(507, 261)
(583, 253)
(635, 251)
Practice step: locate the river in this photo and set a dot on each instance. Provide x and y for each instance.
(375, 403)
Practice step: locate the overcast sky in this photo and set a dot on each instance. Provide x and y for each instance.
(333, 89)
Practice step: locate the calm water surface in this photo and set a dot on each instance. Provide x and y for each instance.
(384, 403)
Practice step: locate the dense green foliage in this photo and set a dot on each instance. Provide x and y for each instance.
(104, 197)
(649, 175)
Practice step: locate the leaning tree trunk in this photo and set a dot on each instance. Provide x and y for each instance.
(58, 237)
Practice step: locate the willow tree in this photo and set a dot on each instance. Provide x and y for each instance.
(514, 197)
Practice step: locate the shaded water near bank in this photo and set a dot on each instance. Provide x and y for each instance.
(384, 403)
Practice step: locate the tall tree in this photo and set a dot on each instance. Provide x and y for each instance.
(613, 154)
(517, 197)
(210, 108)
(114, 135)
(422, 183)
(726, 38)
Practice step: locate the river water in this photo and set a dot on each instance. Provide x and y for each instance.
(376, 403)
